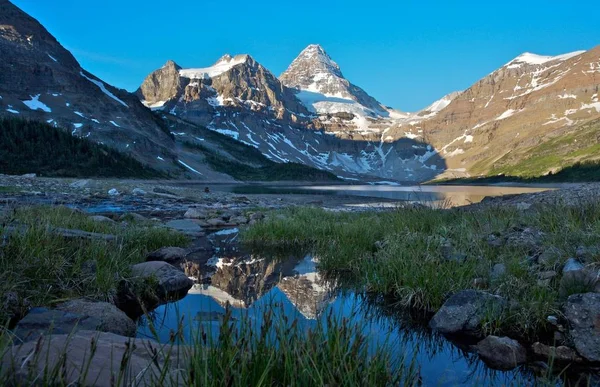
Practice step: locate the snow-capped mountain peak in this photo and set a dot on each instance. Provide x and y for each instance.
(323, 88)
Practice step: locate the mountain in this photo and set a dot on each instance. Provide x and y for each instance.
(504, 119)
(40, 80)
(239, 97)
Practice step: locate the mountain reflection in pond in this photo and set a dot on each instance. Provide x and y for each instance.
(293, 289)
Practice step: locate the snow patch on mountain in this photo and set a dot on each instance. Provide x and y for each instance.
(34, 104)
(529, 58)
(104, 89)
(224, 64)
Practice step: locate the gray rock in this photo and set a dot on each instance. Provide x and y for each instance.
(561, 353)
(144, 360)
(572, 265)
(582, 312)
(462, 313)
(583, 280)
(238, 220)
(501, 353)
(29, 175)
(215, 222)
(498, 271)
(138, 192)
(101, 219)
(167, 254)
(195, 213)
(113, 192)
(549, 257)
(110, 318)
(170, 282)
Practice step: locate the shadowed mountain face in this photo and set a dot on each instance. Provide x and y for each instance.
(40, 79)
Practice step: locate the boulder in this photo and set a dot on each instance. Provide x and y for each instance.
(578, 281)
(582, 312)
(153, 283)
(167, 254)
(142, 359)
(501, 353)
(110, 318)
(463, 312)
(113, 192)
(170, 282)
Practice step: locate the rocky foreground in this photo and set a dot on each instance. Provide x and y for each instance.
(108, 328)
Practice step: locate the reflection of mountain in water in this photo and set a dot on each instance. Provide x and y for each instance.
(243, 280)
(306, 290)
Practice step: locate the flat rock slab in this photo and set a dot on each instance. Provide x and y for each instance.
(582, 311)
(184, 225)
(72, 316)
(26, 363)
(41, 321)
(463, 312)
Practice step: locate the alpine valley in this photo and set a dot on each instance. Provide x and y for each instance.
(531, 116)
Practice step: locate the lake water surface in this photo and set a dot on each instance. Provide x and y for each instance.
(449, 195)
(293, 287)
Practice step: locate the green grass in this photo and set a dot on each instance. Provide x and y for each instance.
(36, 147)
(42, 268)
(276, 353)
(409, 265)
(566, 153)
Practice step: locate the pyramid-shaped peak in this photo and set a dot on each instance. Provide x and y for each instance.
(171, 64)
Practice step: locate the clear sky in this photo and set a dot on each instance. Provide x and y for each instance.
(404, 53)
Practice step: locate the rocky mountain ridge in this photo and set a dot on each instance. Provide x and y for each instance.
(310, 115)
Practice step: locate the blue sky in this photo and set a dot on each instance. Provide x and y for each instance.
(405, 53)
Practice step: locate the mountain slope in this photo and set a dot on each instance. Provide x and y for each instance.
(40, 79)
(525, 103)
